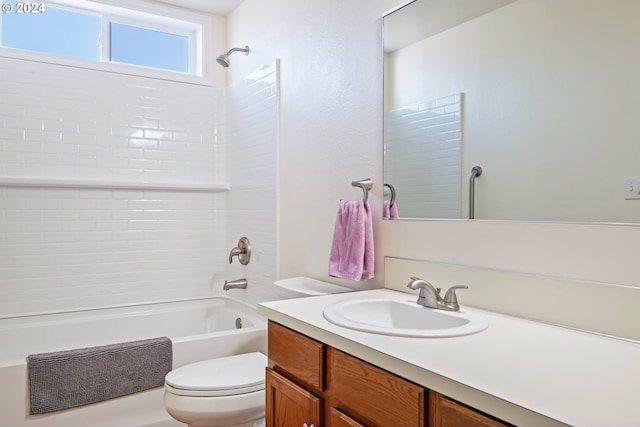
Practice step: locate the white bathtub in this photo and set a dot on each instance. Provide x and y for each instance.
(199, 329)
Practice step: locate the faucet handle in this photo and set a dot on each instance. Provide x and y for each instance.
(450, 296)
(242, 251)
(413, 279)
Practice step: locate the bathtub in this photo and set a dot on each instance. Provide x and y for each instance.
(200, 328)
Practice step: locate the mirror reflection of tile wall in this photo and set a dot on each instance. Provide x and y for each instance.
(422, 157)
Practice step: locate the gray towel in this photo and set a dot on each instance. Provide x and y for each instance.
(66, 379)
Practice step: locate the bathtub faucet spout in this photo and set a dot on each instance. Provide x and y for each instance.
(235, 284)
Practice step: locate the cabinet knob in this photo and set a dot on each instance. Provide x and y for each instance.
(307, 425)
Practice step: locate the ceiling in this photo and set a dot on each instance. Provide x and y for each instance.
(424, 18)
(216, 7)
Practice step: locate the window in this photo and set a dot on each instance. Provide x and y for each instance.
(106, 34)
(56, 31)
(151, 48)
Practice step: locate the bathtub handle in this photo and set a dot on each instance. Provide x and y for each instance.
(242, 251)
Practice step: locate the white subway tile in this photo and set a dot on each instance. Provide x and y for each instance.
(23, 146)
(22, 239)
(142, 243)
(132, 153)
(143, 163)
(143, 143)
(22, 170)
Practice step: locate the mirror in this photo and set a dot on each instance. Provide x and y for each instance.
(541, 94)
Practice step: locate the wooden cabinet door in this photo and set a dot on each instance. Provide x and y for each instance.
(289, 405)
(297, 356)
(444, 412)
(336, 418)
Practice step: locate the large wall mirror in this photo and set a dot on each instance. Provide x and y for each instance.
(543, 95)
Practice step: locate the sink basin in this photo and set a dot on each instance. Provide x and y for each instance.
(403, 318)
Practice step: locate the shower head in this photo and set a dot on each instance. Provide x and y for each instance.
(224, 58)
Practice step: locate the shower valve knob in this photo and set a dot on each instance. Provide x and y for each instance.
(242, 251)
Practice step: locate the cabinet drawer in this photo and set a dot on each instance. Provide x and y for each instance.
(444, 412)
(371, 395)
(297, 356)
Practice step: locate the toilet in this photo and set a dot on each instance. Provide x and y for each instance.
(224, 392)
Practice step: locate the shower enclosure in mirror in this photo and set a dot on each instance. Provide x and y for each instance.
(541, 94)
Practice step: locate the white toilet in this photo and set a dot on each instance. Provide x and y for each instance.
(224, 392)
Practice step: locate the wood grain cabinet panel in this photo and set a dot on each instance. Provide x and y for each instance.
(297, 356)
(338, 419)
(288, 405)
(444, 412)
(371, 395)
(313, 384)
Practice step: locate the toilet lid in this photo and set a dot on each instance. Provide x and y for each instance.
(242, 373)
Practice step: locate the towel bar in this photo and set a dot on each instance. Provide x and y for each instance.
(366, 185)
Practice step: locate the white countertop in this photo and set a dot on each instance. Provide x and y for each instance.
(524, 372)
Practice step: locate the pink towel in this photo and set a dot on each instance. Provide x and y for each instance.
(389, 211)
(352, 249)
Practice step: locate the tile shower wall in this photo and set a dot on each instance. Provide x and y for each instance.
(65, 248)
(252, 113)
(422, 156)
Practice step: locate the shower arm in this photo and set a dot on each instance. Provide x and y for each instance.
(224, 58)
(239, 49)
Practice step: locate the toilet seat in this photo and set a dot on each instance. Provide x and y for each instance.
(225, 376)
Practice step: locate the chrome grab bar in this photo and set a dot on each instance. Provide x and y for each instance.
(476, 171)
(393, 193)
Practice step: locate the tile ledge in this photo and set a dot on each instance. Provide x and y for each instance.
(44, 182)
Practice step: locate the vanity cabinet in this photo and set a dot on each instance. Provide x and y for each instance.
(445, 412)
(313, 384)
(338, 419)
(289, 404)
(294, 379)
(370, 395)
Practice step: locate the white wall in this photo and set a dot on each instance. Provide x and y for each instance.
(330, 123)
(331, 133)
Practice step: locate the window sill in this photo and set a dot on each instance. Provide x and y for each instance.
(109, 67)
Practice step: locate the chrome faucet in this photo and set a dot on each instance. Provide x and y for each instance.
(235, 284)
(430, 296)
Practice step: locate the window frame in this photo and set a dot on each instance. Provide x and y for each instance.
(196, 26)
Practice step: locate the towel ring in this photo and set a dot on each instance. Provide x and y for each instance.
(366, 185)
(393, 194)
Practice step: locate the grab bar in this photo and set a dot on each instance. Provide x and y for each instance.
(393, 194)
(476, 171)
